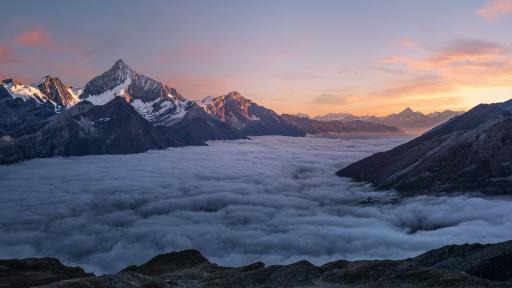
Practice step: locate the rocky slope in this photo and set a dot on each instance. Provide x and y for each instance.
(312, 126)
(410, 121)
(471, 152)
(21, 108)
(60, 94)
(248, 117)
(452, 266)
(20, 273)
(86, 129)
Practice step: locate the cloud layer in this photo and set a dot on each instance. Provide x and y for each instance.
(274, 199)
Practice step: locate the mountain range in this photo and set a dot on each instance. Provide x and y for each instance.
(410, 121)
(468, 265)
(50, 118)
(351, 127)
(470, 152)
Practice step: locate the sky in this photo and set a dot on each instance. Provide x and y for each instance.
(293, 56)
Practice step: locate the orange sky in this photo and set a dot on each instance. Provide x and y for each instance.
(293, 56)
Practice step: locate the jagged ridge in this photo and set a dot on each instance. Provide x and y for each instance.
(469, 265)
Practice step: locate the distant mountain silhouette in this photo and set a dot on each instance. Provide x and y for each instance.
(470, 152)
(408, 120)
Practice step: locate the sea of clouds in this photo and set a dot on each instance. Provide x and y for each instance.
(270, 199)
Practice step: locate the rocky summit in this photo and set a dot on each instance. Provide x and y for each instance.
(469, 265)
(249, 117)
(470, 152)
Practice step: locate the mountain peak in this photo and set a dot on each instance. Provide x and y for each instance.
(120, 63)
(48, 78)
(121, 68)
(234, 94)
(407, 110)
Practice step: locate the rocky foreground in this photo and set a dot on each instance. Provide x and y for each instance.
(469, 265)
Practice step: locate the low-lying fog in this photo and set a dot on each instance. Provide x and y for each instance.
(272, 199)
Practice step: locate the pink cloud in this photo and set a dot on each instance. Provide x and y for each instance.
(495, 8)
(35, 37)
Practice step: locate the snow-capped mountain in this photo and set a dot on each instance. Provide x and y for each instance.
(154, 100)
(408, 120)
(62, 95)
(469, 152)
(49, 90)
(25, 92)
(22, 105)
(248, 117)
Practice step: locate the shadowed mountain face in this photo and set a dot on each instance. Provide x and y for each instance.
(355, 127)
(408, 120)
(20, 106)
(452, 266)
(85, 129)
(471, 152)
(248, 117)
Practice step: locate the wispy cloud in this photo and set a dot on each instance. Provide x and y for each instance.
(458, 75)
(494, 9)
(421, 85)
(465, 61)
(34, 37)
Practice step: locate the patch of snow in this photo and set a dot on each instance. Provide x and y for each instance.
(75, 94)
(147, 110)
(181, 105)
(254, 117)
(206, 101)
(108, 96)
(26, 92)
(144, 109)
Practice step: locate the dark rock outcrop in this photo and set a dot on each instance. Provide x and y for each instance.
(469, 265)
(354, 127)
(198, 126)
(57, 92)
(18, 112)
(248, 117)
(471, 152)
(20, 273)
(87, 129)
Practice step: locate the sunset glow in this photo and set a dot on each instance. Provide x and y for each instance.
(362, 57)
